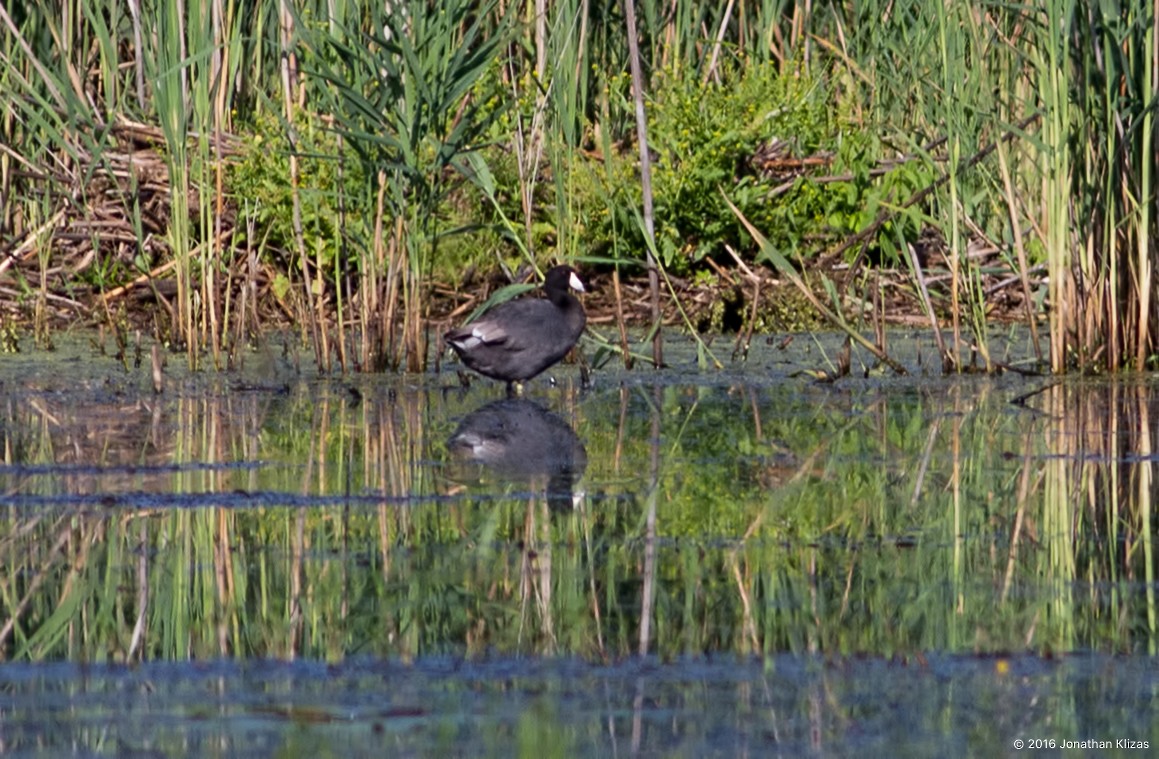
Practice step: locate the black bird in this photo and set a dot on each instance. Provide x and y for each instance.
(516, 340)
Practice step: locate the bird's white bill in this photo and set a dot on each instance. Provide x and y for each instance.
(575, 283)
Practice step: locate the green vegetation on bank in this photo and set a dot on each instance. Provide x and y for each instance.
(327, 164)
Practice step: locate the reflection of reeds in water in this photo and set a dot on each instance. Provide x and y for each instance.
(394, 442)
(185, 527)
(1096, 517)
(1064, 472)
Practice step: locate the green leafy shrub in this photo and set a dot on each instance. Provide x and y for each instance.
(259, 181)
(704, 137)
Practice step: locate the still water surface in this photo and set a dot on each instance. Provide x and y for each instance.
(685, 562)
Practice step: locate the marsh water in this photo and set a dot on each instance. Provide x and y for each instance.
(683, 562)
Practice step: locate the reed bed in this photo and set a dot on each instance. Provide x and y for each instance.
(204, 170)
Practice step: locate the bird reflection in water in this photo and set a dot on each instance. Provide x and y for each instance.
(521, 442)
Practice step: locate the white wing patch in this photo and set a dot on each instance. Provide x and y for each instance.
(480, 333)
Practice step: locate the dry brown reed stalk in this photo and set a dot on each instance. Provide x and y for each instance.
(1012, 207)
(395, 271)
(625, 350)
(645, 181)
(416, 312)
(744, 336)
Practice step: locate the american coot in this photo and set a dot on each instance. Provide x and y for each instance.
(520, 441)
(517, 340)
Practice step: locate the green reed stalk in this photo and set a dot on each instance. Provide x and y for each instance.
(964, 97)
(951, 58)
(168, 76)
(1106, 109)
(203, 28)
(1053, 92)
(1146, 257)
